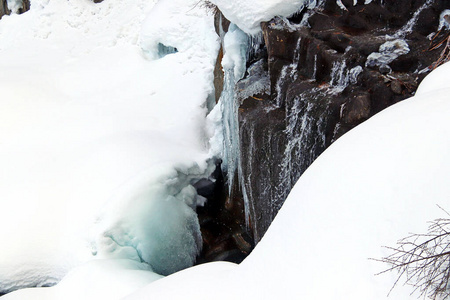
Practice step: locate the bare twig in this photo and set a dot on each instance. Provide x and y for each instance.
(423, 260)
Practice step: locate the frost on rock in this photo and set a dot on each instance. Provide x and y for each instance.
(341, 76)
(409, 26)
(388, 52)
(14, 5)
(444, 21)
(257, 82)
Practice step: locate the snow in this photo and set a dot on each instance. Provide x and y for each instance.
(372, 187)
(248, 15)
(444, 19)
(102, 279)
(103, 132)
(436, 80)
(100, 146)
(388, 52)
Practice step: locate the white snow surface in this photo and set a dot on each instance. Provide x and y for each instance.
(99, 145)
(97, 279)
(248, 15)
(377, 184)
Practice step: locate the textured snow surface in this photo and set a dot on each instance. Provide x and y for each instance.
(249, 14)
(99, 146)
(372, 187)
(97, 279)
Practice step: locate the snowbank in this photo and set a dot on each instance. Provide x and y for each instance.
(374, 186)
(99, 147)
(97, 279)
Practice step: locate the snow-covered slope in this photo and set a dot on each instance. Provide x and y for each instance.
(99, 145)
(374, 186)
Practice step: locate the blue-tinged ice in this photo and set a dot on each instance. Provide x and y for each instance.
(235, 45)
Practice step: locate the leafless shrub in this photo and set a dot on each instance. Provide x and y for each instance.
(424, 260)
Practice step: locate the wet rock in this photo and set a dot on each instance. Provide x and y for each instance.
(222, 222)
(396, 87)
(357, 109)
(304, 88)
(320, 87)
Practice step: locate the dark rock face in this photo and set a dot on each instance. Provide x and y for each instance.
(224, 233)
(310, 85)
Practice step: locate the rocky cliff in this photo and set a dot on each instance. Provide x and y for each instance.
(314, 76)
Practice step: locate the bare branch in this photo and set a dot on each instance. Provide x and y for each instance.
(423, 260)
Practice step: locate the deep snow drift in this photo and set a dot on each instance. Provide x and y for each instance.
(99, 141)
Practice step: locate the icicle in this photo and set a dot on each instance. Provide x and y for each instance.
(235, 46)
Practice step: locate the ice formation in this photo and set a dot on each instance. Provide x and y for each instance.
(235, 45)
(388, 52)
